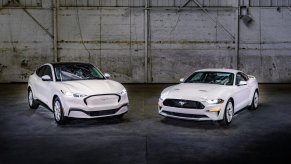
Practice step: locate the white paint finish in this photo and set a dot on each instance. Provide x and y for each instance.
(66, 91)
(211, 95)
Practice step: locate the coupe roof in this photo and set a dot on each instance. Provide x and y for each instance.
(68, 63)
(218, 70)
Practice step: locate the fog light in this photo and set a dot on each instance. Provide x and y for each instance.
(217, 109)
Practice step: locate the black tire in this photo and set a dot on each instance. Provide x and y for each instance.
(255, 101)
(228, 113)
(32, 103)
(58, 111)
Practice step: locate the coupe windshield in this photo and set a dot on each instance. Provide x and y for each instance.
(76, 71)
(221, 78)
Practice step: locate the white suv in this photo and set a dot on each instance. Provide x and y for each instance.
(77, 90)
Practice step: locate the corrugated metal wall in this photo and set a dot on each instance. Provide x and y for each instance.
(147, 40)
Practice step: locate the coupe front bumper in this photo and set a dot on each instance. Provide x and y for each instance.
(209, 112)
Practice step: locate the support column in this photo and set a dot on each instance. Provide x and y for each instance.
(147, 74)
(55, 22)
(236, 54)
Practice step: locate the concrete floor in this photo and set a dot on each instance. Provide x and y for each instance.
(142, 136)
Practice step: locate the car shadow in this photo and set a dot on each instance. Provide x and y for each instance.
(192, 123)
(82, 122)
(78, 122)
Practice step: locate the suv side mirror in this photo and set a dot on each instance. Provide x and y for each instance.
(182, 80)
(46, 78)
(242, 83)
(107, 75)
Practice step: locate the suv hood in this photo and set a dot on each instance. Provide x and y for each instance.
(91, 87)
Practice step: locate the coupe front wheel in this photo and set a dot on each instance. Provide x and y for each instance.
(255, 101)
(228, 113)
(58, 112)
(31, 101)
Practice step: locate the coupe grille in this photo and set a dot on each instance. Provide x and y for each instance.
(185, 115)
(183, 104)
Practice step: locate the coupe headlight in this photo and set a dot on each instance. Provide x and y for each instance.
(71, 94)
(123, 92)
(215, 101)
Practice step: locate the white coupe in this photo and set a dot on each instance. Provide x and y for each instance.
(210, 94)
(77, 90)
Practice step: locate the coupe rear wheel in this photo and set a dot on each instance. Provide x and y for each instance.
(31, 101)
(59, 112)
(255, 101)
(228, 113)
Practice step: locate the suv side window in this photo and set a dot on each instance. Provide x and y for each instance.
(240, 77)
(40, 71)
(48, 71)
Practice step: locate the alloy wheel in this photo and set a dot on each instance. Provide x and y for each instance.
(30, 98)
(229, 112)
(57, 110)
(256, 99)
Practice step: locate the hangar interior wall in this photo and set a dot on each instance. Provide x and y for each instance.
(147, 41)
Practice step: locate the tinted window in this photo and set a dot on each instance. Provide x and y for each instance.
(240, 77)
(245, 76)
(40, 71)
(48, 71)
(221, 78)
(76, 71)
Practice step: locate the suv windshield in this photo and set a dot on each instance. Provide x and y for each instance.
(76, 71)
(221, 78)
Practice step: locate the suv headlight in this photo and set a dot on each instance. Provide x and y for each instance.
(72, 94)
(215, 101)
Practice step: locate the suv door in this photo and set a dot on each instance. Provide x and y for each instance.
(44, 87)
(38, 81)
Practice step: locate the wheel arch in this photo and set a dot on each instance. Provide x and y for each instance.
(54, 97)
(232, 100)
(62, 100)
(226, 100)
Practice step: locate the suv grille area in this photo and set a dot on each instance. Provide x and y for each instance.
(183, 104)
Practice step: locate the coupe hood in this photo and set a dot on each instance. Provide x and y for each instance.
(91, 87)
(195, 91)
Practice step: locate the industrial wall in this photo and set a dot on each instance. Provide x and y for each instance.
(147, 41)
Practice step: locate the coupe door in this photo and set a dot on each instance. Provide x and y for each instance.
(241, 94)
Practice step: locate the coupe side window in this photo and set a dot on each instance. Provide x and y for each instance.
(245, 76)
(240, 77)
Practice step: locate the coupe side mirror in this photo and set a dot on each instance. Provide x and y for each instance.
(107, 75)
(182, 80)
(46, 78)
(242, 83)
